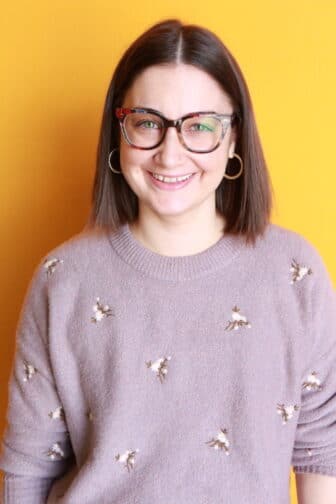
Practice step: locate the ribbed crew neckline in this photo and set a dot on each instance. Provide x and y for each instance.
(187, 267)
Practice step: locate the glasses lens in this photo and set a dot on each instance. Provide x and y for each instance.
(201, 133)
(143, 129)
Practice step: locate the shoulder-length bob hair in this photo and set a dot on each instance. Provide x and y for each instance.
(244, 202)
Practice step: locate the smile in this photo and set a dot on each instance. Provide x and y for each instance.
(171, 179)
(170, 183)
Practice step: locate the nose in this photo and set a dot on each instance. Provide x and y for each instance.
(171, 152)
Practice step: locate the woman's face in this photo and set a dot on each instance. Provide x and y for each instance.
(176, 90)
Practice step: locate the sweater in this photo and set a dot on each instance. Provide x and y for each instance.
(196, 379)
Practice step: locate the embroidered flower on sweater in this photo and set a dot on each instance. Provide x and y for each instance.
(50, 265)
(159, 367)
(220, 442)
(312, 383)
(58, 413)
(29, 371)
(128, 457)
(100, 311)
(299, 271)
(286, 412)
(237, 321)
(55, 452)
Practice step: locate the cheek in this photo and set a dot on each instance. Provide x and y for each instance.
(133, 163)
(216, 163)
(130, 158)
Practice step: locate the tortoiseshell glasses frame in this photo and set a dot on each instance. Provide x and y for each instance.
(224, 120)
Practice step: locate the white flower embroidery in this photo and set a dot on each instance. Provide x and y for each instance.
(237, 321)
(299, 271)
(127, 457)
(220, 442)
(50, 264)
(286, 412)
(29, 371)
(100, 311)
(312, 383)
(55, 452)
(58, 413)
(309, 452)
(159, 367)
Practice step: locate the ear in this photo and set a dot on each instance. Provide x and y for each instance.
(232, 144)
(232, 147)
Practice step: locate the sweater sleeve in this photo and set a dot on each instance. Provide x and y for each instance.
(36, 443)
(314, 448)
(22, 489)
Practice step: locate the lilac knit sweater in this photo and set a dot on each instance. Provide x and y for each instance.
(200, 379)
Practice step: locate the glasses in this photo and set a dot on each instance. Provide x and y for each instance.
(201, 132)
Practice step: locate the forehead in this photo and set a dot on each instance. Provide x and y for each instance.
(177, 89)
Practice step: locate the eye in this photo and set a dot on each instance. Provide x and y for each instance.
(147, 124)
(201, 127)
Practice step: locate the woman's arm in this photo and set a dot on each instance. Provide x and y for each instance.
(315, 488)
(21, 489)
(36, 446)
(314, 451)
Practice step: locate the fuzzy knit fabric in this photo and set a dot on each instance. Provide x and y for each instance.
(197, 379)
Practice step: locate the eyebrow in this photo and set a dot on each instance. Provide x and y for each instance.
(191, 112)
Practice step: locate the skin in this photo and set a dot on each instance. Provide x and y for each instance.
(184, 221)
(315, 488)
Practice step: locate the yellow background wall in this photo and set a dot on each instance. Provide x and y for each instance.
(57, 61)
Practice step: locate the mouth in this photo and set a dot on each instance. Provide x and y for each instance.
(170, 183)
(171, 178)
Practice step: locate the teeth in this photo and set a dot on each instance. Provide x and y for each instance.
(171, 180)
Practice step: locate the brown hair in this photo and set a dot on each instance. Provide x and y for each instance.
(244, 202)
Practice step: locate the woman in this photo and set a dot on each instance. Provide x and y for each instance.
(181, 348)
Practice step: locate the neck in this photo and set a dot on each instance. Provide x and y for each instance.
(178, 237)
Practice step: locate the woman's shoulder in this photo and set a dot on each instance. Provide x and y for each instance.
(75, 253)
(279, 241)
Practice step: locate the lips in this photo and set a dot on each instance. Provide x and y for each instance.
(170, 175)
(169, 186)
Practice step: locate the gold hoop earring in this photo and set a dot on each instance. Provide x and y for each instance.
(233, 177)
(110, 164)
